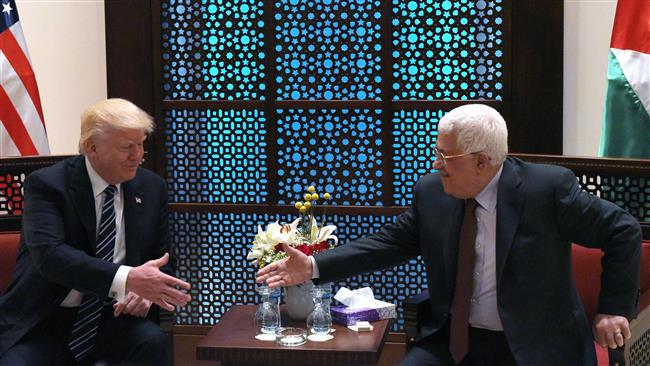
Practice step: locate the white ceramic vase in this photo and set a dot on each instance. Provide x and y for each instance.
(298, 300)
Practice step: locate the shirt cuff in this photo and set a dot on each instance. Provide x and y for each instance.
(118, 287)
(314, 268)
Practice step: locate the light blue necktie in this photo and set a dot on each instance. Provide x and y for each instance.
(85, 326)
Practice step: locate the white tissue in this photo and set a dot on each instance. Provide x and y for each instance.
(360, 298)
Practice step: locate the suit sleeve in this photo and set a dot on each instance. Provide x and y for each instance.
(395, 243)
(55, 259)
(593, 222)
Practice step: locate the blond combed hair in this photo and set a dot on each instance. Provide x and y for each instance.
(112, 114)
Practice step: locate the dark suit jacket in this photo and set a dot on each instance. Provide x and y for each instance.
(58, 242)
(541, 210)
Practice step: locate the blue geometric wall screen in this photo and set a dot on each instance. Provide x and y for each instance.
(323, 50)
(447, 50)
(331, 50)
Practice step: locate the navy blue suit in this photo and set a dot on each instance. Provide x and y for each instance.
(541, 210)
(58, 242)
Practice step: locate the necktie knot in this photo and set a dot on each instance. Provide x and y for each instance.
(110, 190)
(471, 204)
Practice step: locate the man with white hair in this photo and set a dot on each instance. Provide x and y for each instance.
(94, 253)
(495, 234)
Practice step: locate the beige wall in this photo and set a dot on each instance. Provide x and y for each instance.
(66, 43)
(67, 46)
(587, 31)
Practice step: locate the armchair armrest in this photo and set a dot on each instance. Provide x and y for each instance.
(417, 310)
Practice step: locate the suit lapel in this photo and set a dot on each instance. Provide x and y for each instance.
(133, 211)
(83, 199)
(509, 206)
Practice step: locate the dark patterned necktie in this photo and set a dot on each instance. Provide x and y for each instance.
(86, 324)
(459, 328)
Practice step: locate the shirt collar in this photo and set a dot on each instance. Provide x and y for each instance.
(96, 181)
(487, 198)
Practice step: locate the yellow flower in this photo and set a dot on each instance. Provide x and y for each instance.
(303, 209)
(314, 196)
(307, 197)
(327, 196)
(307, 205)
(298, 205)
(311, 189)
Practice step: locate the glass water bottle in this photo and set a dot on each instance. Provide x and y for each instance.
(320, 320)
(267, 317)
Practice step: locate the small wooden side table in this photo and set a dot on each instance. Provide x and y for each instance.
(232, 342)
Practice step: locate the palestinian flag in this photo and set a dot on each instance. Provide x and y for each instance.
(626, 126)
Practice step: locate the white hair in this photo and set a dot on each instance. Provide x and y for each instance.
(477, 127)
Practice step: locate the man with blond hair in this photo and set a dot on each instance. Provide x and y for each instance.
(94, 253)
(495, 235)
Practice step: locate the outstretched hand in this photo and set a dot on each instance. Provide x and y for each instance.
(149, 282)
(294, 269)
(611, 330)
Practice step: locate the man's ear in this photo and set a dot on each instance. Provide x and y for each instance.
(91, 148)
(483, 161)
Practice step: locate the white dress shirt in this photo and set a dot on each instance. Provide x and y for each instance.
(118, 287)
(483, 312)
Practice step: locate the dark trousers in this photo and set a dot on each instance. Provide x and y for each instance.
(486, 348)
(124, 340)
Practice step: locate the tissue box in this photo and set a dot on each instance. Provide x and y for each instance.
(343, 315)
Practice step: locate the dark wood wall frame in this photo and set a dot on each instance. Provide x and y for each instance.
(533, 68)
(536, 67)
(131, 28)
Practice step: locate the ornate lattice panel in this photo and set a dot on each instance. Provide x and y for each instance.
(11, 194)
(640, 350)
(447, 49)
(216, 156)
(338, 150)
(212, 49)
(328, 49)
(414, 136)
(631, 193)
(211, 250)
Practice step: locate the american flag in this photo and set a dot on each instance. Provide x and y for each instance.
(22, 127)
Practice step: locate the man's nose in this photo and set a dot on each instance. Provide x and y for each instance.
(137, 154)
(438, 164)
